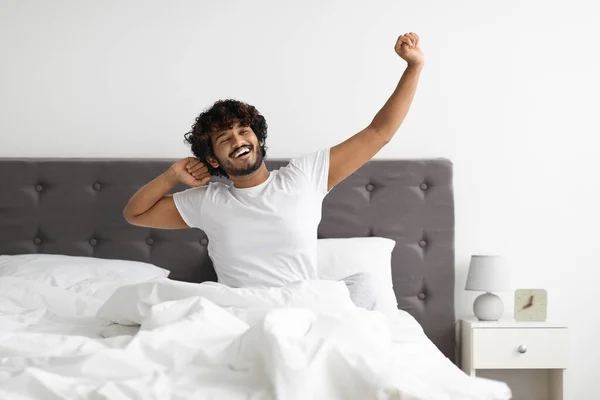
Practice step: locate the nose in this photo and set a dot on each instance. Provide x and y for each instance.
(237, 141)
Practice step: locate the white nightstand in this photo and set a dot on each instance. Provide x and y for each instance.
(510, 345)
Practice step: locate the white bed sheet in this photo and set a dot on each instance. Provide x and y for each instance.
(208, 342)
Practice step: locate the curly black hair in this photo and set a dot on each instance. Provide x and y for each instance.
(220, 116)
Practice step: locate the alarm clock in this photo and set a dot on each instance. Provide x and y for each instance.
(531, 305)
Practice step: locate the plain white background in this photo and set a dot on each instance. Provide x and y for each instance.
(509, 93)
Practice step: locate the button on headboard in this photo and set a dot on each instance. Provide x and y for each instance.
(74, 207)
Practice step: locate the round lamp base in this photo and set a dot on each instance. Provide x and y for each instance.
(488, 307)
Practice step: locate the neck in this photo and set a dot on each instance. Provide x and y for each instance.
(254, 179)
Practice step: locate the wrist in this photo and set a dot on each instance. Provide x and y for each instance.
(418, 66)
(171, 176)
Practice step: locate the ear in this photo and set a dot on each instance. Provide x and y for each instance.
(213, 162)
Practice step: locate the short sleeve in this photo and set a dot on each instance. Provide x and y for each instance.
(315, 166)
(189, 205)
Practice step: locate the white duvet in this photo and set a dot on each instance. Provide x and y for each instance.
(165, 339)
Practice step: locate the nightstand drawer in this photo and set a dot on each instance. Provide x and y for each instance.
(497, 348)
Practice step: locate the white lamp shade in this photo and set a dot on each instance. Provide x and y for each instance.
(488, 274)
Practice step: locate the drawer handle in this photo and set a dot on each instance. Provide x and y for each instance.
(522, 349)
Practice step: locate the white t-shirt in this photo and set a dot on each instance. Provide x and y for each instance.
(265, 235)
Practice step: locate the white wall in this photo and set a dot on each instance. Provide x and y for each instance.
(509, 94)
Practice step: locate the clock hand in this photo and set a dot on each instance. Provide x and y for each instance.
(528, 304)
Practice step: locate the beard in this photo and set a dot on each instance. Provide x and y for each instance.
(232, 168)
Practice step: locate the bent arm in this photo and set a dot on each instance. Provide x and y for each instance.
(152, 207)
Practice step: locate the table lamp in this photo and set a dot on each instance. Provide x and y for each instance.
(488, 274)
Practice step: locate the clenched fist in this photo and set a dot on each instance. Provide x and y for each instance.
(407, 47)
(190, 172)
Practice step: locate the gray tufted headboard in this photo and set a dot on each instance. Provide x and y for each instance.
(74, 207)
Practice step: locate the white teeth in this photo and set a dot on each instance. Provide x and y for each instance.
(241, 151)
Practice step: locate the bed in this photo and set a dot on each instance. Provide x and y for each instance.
(74, 207)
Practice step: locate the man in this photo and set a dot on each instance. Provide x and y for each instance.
(262, 227)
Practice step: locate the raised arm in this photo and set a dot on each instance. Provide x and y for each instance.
(353, 153)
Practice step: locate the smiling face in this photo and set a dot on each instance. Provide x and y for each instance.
(237, 151)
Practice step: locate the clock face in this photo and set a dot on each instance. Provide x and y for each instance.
(531, 304)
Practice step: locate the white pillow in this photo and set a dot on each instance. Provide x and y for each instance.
(342, 257)
(96, 277)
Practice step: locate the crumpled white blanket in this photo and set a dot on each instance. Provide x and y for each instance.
(165, 339)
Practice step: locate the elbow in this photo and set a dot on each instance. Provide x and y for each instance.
(385, 139)
(383, 134)
(128, 215)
